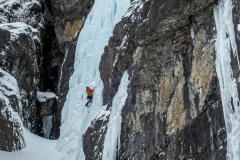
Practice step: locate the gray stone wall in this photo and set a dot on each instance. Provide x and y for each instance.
(173, 109)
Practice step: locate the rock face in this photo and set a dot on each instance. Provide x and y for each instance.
(51, 60)
(236, 20)
(29, 52)
(51, 55)
(19, 56)
(173, 110)
(69, 18)
(11, 133)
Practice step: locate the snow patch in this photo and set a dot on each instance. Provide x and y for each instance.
(18, 11)
(9, 87)
(8, 84)
(44, 96)
(135, 4)
(20, 28)
(238, 27)
(8, 110)
(37, 148)
(103, 114)
(120, 47)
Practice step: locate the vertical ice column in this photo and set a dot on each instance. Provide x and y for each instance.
(47, 125)
(94, 36)
(225, 45)
(112, 138)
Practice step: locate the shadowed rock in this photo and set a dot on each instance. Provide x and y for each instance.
(19, 56)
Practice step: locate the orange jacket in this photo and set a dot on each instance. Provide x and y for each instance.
(89, 91)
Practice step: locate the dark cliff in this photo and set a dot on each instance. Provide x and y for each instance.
(173, 110)
(21, 51)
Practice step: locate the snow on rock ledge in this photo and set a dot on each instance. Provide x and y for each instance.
(28, 11)
(11, 133)
(44, 96)
(18, 28)
(47, 101)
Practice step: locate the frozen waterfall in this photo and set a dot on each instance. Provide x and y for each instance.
(94, 36)
(225, 46)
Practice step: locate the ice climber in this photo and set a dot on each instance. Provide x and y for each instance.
(89, 95)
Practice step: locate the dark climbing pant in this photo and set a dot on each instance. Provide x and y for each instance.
(89, 97)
